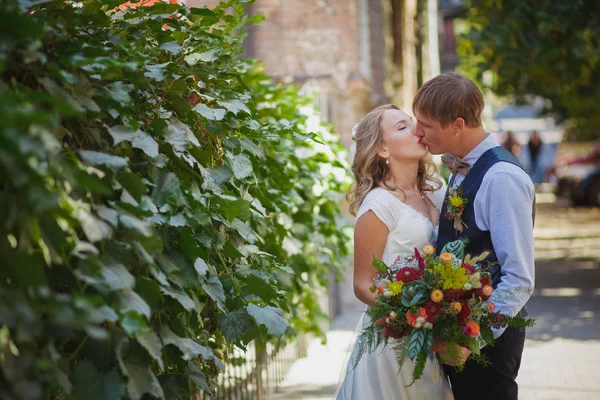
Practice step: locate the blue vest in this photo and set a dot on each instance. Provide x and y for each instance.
(479, 241)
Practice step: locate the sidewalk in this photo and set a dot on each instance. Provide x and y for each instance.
(562, 352)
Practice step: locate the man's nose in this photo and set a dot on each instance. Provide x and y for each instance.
(419, 131)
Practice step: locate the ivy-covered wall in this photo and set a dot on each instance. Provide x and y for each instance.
(161, 200)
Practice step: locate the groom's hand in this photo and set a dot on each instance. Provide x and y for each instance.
(449, 357)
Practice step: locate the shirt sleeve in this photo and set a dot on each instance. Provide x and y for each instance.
(503, 206)
(380, 205)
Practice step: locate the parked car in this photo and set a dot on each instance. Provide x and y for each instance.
(579, 179)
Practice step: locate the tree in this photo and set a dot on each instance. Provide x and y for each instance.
(160, 200)
(541, 48)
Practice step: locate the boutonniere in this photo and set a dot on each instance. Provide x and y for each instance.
(455, 205)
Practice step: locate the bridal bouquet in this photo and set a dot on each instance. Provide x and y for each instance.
(427, 300)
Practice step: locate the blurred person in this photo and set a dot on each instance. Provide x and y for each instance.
(535, 146)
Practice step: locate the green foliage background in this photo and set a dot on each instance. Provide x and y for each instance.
(160, 200)
(542, 48)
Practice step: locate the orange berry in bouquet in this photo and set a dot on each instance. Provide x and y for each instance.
(446, 258)
(437, 295)
(428, 250)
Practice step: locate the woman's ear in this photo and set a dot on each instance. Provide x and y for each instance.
(383, 152)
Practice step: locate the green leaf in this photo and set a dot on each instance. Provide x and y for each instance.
(180, 136)
(235, 106)
(189, 348)
(180, 296)
(149, 340)
(213, 287)
(91, 384)
(138, 139)
(198, 377)
(132, 183)
(487, 334)
(235, 325)
(156, 71)
(379, 265)
(473, 345)
(95, 229)
(134, 223)
(417, 342)
(201, 267)
(241, 165)
(97, 158)
(207, 56)
(141, 380)
(172, 47)
(131, 301)
(221, 174)
(132, 323)
(271, 317)
(211, 114)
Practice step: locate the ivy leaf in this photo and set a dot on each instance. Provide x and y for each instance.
(131, 301)
(235, 106)
(235, 325)
(189, 348)
(211, 114)
(213, 287)
(178, 220)
(201, 267)
(95, 229)
(198, 377)
(149, 340)
(97, 158)
(138, 139)
(241, 165)
(172, 47)
(141, 379)
(244, 230)
(134, 223)
(180, 136)
(221, 174)
(156, 71)
(91, 384)
(271, 317)
(133, 184)
(180, 296)
(207, 56)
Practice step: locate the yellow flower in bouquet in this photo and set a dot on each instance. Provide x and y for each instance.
(450, 277)
(396, 287)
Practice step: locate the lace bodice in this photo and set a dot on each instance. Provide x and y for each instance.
(407, 227)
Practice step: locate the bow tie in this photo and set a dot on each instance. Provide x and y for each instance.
(456, 164)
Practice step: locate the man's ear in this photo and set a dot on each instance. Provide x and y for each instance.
(459, 125)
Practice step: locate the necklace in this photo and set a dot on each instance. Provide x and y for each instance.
(417, 191)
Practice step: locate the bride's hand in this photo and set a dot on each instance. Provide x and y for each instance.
(463, 354)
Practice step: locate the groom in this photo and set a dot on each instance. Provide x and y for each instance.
(498, 218)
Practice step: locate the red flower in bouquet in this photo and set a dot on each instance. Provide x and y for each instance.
(408, 274)
(433, 309)
(465, 312)
(420, 259)
(454, 294)
(486, 280)
(469, 268)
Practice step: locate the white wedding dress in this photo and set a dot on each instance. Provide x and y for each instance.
(376, 377)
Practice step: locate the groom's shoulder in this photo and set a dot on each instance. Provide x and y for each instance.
(507, 172)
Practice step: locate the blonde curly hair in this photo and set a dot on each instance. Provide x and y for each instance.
(370, 170)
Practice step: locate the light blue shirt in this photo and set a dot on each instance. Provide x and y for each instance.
(503, 206)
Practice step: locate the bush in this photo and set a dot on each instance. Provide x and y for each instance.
(161, 200)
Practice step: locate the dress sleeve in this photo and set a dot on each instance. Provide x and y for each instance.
(378, 203)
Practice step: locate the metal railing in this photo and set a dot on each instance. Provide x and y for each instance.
(254, 374)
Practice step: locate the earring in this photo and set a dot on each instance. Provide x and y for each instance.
(456, 132)
(387, 161)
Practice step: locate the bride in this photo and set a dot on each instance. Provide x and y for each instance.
(397, 201)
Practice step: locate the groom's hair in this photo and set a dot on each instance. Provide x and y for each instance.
(449, 96)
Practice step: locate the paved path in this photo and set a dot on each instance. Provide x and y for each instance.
(562, 353)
